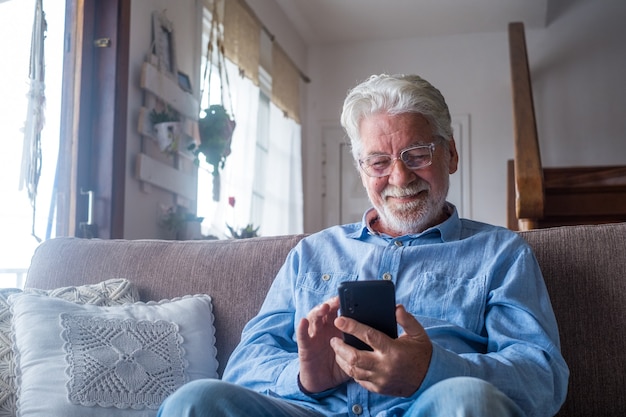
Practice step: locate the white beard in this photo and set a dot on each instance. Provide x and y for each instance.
(415, 216)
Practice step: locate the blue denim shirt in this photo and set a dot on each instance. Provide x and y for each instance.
(476, 288)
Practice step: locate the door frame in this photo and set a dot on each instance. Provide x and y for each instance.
(92, 153)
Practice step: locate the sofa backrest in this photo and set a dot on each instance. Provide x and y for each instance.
(584, 268)
(585, 271)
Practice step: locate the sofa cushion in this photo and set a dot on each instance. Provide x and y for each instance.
(113, 361)
(109, 292)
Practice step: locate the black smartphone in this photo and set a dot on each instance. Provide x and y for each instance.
(369, 302)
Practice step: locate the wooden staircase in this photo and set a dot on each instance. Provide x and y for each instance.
(539, 197)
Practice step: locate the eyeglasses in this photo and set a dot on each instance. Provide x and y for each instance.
(413, 158)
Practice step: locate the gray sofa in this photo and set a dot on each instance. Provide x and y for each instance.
(584, 267)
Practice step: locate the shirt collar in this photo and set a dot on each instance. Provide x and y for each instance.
(449, 230)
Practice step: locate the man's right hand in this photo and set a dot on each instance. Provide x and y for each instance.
(318, 368)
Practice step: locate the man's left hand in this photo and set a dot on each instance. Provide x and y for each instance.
(396, 367)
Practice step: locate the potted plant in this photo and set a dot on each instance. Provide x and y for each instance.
(244, 232)
(166, 125)
(181, 224)
(216, 132)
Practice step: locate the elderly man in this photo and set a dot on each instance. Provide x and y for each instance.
(477, 335)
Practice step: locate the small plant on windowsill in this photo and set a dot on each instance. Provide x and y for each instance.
(243, 232)
(166, 125)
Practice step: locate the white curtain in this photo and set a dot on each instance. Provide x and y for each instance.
(238, 173)
(283, 211)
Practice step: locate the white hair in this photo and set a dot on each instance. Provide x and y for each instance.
(394, 95)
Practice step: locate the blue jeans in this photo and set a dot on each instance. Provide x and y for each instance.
(454, 397)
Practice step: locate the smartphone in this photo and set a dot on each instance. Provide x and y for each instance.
(372, 303)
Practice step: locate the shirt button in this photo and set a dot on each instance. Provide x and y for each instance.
(325, 277)
(387, 276)
(357, 409)
(398, 243)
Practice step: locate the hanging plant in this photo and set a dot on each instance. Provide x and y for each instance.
(217, 125)
(216, 132)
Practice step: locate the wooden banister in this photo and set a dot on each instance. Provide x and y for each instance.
(539, 197)
(529, 183)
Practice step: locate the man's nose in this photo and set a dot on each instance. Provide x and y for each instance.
(400, 175)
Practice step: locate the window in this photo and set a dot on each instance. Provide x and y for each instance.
(17, 242)
(263, 174)
(260, 163)
(241, 97)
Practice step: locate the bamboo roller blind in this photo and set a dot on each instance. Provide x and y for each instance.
(242, 33)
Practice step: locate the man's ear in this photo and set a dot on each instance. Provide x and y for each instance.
(454, 156)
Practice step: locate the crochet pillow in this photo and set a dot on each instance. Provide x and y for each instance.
(7, 374)
(110, 292)
(86, 360)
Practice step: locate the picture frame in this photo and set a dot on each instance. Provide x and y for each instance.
(163, 44)
(184, 82)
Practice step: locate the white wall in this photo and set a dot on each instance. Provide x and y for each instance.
(142, 206)
(579, 80)
(578, 65)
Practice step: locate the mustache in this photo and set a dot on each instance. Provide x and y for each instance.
(414, 189)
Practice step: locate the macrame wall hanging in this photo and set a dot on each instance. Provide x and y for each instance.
(31, 154)
(217, 125)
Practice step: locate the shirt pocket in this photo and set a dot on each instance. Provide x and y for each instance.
(459, 301)
(313, 288)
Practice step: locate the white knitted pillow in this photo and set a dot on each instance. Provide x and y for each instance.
(106, 293)
(110, 292)
(87, 360)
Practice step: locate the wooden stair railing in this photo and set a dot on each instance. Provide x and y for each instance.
(528, 174)
(540, 197)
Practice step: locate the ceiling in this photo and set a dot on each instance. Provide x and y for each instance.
(323, 22)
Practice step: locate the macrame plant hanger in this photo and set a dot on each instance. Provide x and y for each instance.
(221, 123)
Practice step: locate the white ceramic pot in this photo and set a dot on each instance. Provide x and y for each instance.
(167, 135)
